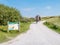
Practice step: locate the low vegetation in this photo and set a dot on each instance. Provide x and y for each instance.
(49, 17)
(53, 23)
(5, 36)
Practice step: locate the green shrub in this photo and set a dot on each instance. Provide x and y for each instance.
(8, 14)
(51, 25)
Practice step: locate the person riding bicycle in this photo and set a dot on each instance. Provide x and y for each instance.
(38, 18)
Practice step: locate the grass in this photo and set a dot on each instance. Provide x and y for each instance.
(53, 23)
(4, 36)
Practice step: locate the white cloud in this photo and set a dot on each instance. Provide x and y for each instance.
(48, 7)
(28, 9)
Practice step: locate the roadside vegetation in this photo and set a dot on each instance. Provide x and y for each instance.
(12, 15)
(49, 17)
(54, 23)
(5, 36)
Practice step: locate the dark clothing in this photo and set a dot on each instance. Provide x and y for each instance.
(38, 18)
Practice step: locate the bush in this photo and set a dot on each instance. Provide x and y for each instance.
(51, 25)
(8, 14)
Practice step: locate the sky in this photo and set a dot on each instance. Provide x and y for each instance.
(31, 8)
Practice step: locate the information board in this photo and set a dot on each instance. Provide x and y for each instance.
(13, 25)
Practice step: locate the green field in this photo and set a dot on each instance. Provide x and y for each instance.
(53, 23)
(5, 36)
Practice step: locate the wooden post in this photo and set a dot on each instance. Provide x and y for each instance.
(19, 26)
(7, 27)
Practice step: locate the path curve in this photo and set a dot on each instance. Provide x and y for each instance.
(38, 34)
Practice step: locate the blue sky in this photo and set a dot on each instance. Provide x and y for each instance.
(30, 8)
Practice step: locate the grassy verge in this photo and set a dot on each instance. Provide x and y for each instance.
(54, 24)
(4, 36)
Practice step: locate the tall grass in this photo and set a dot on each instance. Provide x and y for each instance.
(4, 36)
(53, 23)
